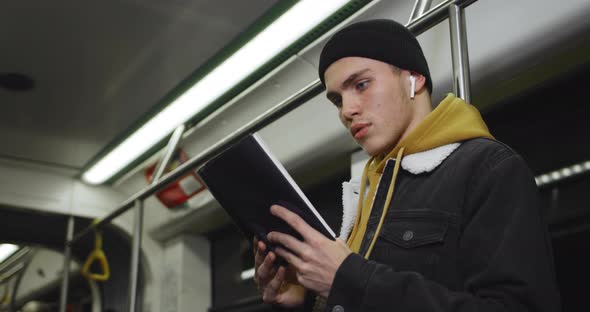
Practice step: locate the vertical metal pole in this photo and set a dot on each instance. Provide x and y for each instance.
(135, 253)
(420, 6)
(138, 223)
(461, 79)
(63, 299)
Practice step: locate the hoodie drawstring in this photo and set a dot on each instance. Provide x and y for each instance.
(398, 160)
(362, 194)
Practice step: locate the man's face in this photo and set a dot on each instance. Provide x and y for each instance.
(372, 100)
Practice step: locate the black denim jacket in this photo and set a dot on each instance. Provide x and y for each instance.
(466, 236)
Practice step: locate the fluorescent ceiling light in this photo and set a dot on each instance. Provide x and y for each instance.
(288, 28)
(6, 250)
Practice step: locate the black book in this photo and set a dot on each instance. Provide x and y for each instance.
(246, 179)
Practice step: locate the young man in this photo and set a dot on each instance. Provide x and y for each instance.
(448, 219)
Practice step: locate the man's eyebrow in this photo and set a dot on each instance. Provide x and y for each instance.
(333, 94)
(353, 77)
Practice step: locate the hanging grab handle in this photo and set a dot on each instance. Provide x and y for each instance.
(97, 255)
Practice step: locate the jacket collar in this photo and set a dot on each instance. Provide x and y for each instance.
(428, 160)
(417, 163)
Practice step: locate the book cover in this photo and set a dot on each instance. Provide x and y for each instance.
(246, 179)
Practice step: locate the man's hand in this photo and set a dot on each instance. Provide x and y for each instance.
(316, 259)
(272, 282)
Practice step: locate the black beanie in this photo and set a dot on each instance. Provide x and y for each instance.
(383, 40)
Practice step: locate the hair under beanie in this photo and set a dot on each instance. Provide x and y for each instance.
(383, 40)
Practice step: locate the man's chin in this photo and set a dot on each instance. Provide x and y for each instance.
(371, 151)
(374, 151)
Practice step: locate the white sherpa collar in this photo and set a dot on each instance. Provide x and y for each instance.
(417, 163)
(427, 160)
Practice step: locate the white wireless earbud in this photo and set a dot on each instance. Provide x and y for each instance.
(412, 86)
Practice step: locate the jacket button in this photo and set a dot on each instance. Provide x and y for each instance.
(408, 235)
(338, 308)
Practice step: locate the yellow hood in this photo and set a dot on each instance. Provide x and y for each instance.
(452, 121)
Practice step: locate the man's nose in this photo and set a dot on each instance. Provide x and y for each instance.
(350, 108)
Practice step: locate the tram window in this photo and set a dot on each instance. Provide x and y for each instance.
(547, 126)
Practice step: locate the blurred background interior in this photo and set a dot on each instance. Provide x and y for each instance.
(79, 79)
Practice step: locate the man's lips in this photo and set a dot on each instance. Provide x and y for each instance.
(359, 130)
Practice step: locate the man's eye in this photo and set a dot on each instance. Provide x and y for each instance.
(362, 85)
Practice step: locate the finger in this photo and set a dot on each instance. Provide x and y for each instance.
(272, 288)
(259, 253)
(271, 274)
(264, 271)
(294, 221)
(261, 246)
(293, 244)
(289, 257)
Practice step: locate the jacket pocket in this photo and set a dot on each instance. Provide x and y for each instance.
(415, 228)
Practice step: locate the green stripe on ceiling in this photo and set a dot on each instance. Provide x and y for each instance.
(270, 16)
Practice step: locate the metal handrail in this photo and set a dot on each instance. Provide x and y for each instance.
(459, 53)
(435, 15)
(260, 122)
(420, 6)
(418, 26)
(14, 258)
(12, 272)
(169, 152)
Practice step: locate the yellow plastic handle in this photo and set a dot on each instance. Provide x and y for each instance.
(97, 255)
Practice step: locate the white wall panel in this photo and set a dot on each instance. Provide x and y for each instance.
(44, 270)
(46, 189)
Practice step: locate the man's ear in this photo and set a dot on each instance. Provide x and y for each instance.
(420, 81)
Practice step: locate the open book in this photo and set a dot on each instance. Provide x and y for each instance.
(246, 179)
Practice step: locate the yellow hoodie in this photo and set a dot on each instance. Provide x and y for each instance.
(452, 121)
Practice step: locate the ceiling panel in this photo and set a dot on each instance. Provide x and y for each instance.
(98, 66)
